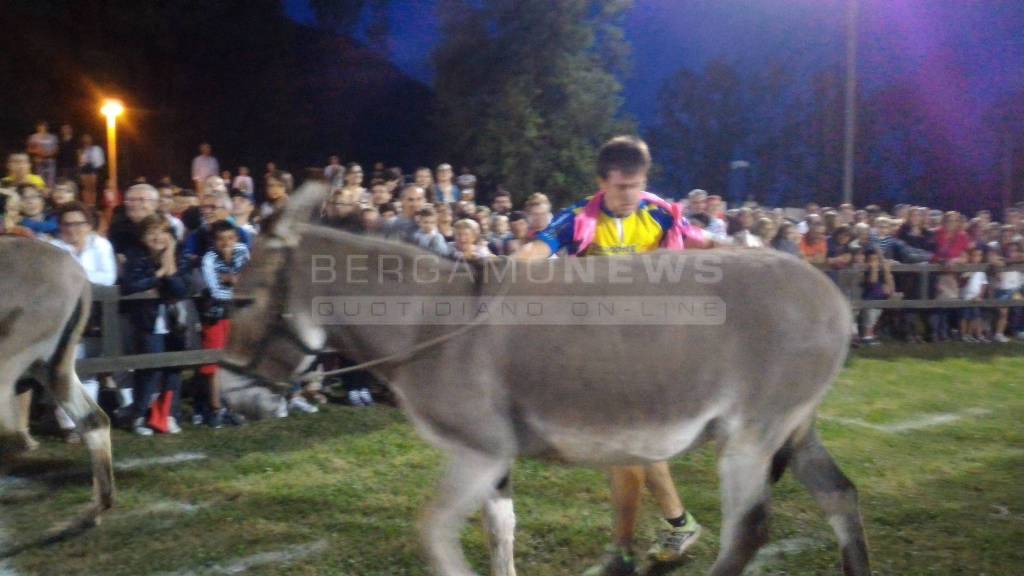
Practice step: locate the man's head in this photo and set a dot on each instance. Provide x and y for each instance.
(518, 224)
(18, 165)
(42, 127)
(216, 184)
(622, 165)
(502, 202)
(76, 222)
(412, 198)
(538, 211)
(66, 131)
(165, 203)
(140, 201)
(697, 201)
(86, 140)
(334, 160)
(215, 206)
(379, 193)
(224, 237)
(242, 205)
(205, 149)
(370, 218)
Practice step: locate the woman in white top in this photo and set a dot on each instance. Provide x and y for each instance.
(96, 255)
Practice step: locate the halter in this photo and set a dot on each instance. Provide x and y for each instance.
(280, 327)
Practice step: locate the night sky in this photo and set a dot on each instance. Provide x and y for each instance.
(962, 54)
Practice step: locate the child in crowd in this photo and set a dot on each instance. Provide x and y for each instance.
(427, 237)
(878, 285)
(1007, 286)
(467, 244)
(220, 269)
(498, 243)
(973, 287)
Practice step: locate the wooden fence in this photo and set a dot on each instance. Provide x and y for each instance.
(114, 359)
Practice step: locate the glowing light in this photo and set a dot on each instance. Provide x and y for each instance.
(112, 108)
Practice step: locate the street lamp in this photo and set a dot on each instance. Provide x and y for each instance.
(112, 109)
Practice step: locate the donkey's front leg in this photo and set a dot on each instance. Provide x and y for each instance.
(500, 524)
(470, 479)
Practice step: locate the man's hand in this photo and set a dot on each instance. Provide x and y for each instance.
(535, 250)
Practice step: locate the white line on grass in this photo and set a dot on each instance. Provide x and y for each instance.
(179, 458)
(916, 423)
(241, 565)
(776, 551)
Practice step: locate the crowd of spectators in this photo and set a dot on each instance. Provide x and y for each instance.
(189, 244)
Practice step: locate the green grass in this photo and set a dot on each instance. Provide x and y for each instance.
(934, 499)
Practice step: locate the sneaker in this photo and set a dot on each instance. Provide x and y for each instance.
(355, 398)
(969, 339)
(367, 398)
(302, 405)
(616, 562)
(1020, 335)
(172, 426)
(672, 542)
(216, 419)
(282, 409)
(139, 427)
(1001, 338)
(198, 419)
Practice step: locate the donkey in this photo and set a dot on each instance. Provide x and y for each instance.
(749, 376)
(43, 313)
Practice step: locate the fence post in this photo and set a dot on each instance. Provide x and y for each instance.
(110, 323)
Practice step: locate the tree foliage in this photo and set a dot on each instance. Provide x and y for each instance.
(527, 89)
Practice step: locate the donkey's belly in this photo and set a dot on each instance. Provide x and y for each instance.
(616, 444)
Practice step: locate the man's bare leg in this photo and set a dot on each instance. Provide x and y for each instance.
(681, 530)
(626, 482)
(663, 488)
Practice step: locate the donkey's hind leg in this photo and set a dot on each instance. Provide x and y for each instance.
(93, 425)
(500, 525)
(470, 479)
(814, 467)
(743, 475)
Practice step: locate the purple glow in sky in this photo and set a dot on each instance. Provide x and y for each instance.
(962, 55)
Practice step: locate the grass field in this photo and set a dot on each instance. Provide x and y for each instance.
(932, 435)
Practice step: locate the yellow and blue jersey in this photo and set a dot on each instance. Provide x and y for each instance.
(642, 231)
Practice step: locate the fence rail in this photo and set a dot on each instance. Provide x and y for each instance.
(114, 358)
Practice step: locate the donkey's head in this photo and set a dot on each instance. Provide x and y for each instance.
(274, 335)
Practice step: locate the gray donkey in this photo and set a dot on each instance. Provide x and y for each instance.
(737, 346)
(43, 313)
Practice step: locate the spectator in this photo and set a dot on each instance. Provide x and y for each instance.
(839, 245)
(221, 265)
(370, 218)
(787, 239)
(10, 215)
(278, 190)
(445, 191)
(243, 182)
(243, 205)
(739, 229)
(379, 193)
(764, 230)
(878, 285)
(42, 146)
(467, 245)
(500, 237)
(64, 191)
(1009, 281)
(96, 256)
(538, 214)
(393, 179)
(140, 202)
(427, 237)
(501, 203)
(67, 153)
(698, 202)
(33, 212)
(216, 207)
(334, 172)
(520, 228)
(354, 183)
(862, 234)
(412, 199)
(165, 207)
(973, 288)
(204, 166)
(467, 188)
(19, 171)
(153, 264)
(444, 222)
(91, 161)
(814, 245)
(424, 179)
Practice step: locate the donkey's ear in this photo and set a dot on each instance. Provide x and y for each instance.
(301, 208)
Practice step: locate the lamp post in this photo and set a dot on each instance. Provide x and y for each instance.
(850, 121)
(112, 109)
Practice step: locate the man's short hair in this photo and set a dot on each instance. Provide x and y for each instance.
(697, 193)
(426, 211)
(408, 187)
(537, 199)
(145, 188)
(516, 216)
(222, 226)
(627, 154)
(501, 193)
(392, 174)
